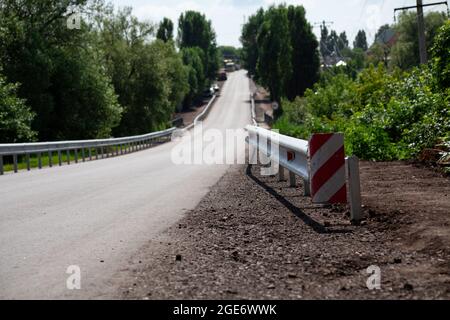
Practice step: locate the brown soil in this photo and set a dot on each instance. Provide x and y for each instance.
(253, 237)
(262, 102)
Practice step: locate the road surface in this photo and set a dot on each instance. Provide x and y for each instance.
(97, 214)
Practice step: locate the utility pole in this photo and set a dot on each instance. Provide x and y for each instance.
(323, 23)
(421, 26)
(421, 29)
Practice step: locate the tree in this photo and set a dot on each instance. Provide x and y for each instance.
(381, 48)
(15, 115)
(441, 57)
(148, 76)
(379, 36)
(165, 30)
(361, 40)
(229, 52)
(274, 63)
(305, 59)
(405, 53)
(343, 41)
(250, 51)
(326, 46)
(194, 30)
(332, 44)
(193, 59)
(59, 70)
(177, 73)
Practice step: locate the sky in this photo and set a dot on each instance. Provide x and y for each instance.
(228, 16)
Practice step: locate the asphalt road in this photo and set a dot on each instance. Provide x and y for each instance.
(97, 214)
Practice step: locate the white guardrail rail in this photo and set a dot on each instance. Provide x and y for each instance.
(327, 175)
(203, 114)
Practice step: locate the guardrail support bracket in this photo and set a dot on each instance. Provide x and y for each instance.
(281, 173)
(292, 182)
(307, 187)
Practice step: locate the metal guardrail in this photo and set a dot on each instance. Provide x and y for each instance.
(102, 147)
(253, 109)
(294, 155)
(202, 115)
(82, 149)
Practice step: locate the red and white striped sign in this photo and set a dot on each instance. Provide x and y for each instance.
(327, 161)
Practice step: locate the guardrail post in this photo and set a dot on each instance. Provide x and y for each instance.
(27, 159)
(1, 165)
(280, 173)
(15, 162)
(83, 155)
(76, 155)
(59, 158)
(101, 151)
(292, 182)
(90, 153)
(307, 187)
(39, 160)
(50, 160)
(354, 186)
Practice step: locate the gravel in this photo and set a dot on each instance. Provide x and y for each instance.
(253, 237)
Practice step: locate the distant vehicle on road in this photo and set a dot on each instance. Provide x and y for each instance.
(216, 88)
(230, 67)
(208, 92)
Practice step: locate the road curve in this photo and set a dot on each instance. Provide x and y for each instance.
(97, 214)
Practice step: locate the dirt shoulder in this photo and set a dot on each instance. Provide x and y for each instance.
(263, 104)
(253, 237)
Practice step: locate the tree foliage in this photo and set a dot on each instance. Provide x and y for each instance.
(280, 51)
(441, 57)
(250, 50)
(15, 115)
(148, 76)
(229, 52)
(192, 58)
(108, 77)
(384, 116)
(274, 62)
(405, 53)
(58, 70)
(165, 30)
(305, 59)
(361, 41)
(194, 30)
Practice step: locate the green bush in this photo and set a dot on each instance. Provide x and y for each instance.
(384, 116)
(15, 115)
